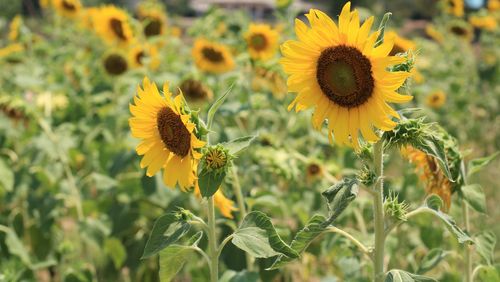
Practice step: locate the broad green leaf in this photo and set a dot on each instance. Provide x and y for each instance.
(237, 145)
(476, 165)
(488, 274)
(115, 249)
(210, 181)
(435, 147)
(431, 260)
(452, 226)
(434, 202)
(6, 176)
(254, 241)
(263, 222)
(15, 245)
(314, 227)
(167, 230)
(474, 195)
(215, 106)
(397, 275)
(339, 196)
(485, 246)
(172, 259)
(242, 276)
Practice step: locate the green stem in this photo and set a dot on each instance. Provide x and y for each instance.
(241, 206)
(468, 258)
(378, 210)
(212, 241)
(356, 242)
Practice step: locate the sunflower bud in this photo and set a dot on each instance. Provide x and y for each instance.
(214, 165)
(216, 158)
(394, 209)
(367, 176)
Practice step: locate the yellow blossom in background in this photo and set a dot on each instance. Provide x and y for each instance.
(401, 44)
(262, 41)
(433, 33)
(195, 91)
(50, 102)
(221, 28)
(112, 24)
(11, 49)
(44, 3)
(268, 80)
(212, 57)
(484, 22)
(87, 16)
(493, 5)
(462, 30)
(336, 70)
(430, 174)
(144, 55)
(436, 99)
(67, 8)
(14, 27)
(176, 31)
(154, 21)
(167, 134)
(454, 7)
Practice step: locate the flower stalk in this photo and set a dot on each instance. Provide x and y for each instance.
(378, 210)
(468, 255)
(212, 241)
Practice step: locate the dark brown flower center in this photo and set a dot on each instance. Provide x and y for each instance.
(396, 49)
(115, 64)
(313, 169)
(344, 75)
(152, 27)
(68, 6)
(214, 56)
(458, 30)
(193, 89)
(117, 27)
(258, 41)
(173, 132)
(139, 56)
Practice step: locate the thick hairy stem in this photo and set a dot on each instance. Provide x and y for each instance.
(212, 241)
(378, 210)
(468, 256)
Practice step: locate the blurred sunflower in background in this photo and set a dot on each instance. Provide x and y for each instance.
(401, 44)
(195, 91)
(115, 63)
(432, 32)
(8, 50)
(493, 5)
(262, 41)
(339, 72)
(484, 22)
(67, 8)
(269, 80)
(112, 24)
(167, 134)
(436, 99)
(14, 27)
(154, 21)
(462, 30)
(144, 55)
(212, 57)
(454, 7)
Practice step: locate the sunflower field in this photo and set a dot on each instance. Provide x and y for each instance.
(266, 140)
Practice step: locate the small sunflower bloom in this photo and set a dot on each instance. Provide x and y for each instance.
(154, 21)
(493, 5)
(112, 24)
(455, 7)
(262, 41)
(167, 134)
(436, 99)
(144, 55)
(212, 57)
(484, 22)
(195, 91)
(337, 70)
(14, 26)
(461, 30)
(115, 63)
(434, 34)
(67, 8)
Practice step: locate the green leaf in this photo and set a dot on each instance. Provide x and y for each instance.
(242, 276)
(243, 235)
(215, 106)
(431, 260)
(474, 195)
(237, 145)
(397, 275)
(6, 176)
(339, 196)
(167, 230)
(488, 273)
(476, 165)
(172, 259)
(485, 246)
(254, 241)
(433, 146)
(115, 249)
(210, 181)
(434, 202)
(15, 245)
(314, 227)
(383, 24)
(451, 225)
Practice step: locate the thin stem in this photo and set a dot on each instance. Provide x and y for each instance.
(468, 257)
(204, 255)
(212, 241)
(476, 271)
(241, 206)
(356, 242)
(223, 244)
(408, 216)
(378, 210)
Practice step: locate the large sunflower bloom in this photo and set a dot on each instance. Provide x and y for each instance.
(262, 41)
(67, 8)
(338, 71)
(168, 135)
(212, 57)
(112, 24)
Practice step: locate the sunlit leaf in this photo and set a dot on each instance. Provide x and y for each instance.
(474, 195)
(397, 275)
(167, 230)
(485, 246)
(476, 165)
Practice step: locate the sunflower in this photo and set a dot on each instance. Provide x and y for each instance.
(11, 49)
(195, 91)
(262, 41)
(87, 16)
(112, 24)
(401, 44)
(144, 55)
(154, 22)
(339, 72)
(483, 22)
(269, 80)
(314, 170)
(225, 205)
(462, 30)
(168, 135)
(434, 34)
(430, 174)
(436, 99)
(494, 5)
(115, 63)
(455, 7)
(67, 8)
(212, 57)
(14, 26)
